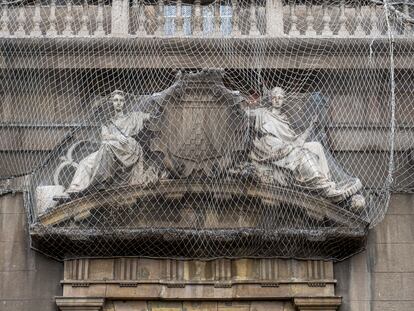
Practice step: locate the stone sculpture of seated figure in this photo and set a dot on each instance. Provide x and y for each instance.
(278, 149)
(118, 149)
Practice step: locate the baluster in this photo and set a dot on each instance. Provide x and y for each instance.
(217, 19)
(141, 19)
(152, 18)
(198, 22)
(293, 20)
(134, 17)
(342, 20)
(4, 20)
(374, 20)
(52, 31)
(235, 18)
(407, 26)
(368, 20)
(37, 19)
(326, 21)
(254, 31)
(99, 32)
(120, 18)
(83, 31)
(160, 20)
(359, 31)
(21, 21)
(179, 22)
(68, 31)
(310, 21)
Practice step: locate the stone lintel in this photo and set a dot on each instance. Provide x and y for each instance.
(317, 303)
(80, 303)
(143, 279)
(306, 284)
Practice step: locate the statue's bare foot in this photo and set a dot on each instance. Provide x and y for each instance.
(63, 198)
(357, 203)
(344, 190)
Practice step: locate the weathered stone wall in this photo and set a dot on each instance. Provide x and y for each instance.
(382, 277)
(28, 280)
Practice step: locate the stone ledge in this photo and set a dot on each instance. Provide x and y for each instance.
(237, 292)
(317, 303)
(182, 284)
(284, 44)
(316, 53)
(80, 304)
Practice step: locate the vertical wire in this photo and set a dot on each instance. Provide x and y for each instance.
(391, 166)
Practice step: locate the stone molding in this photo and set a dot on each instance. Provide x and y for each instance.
(80, 303)
(317, 303)
(97, 304)
(277, 51)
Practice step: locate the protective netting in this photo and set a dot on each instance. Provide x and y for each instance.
(206, 129)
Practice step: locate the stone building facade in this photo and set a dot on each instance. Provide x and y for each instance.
(381, 277)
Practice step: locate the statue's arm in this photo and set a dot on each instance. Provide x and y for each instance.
(107, 135)
(141, 120)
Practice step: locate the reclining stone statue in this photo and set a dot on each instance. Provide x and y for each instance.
(280, 155)
(118, 149)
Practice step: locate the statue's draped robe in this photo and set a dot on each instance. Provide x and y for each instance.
(112, 154)
(278, 146)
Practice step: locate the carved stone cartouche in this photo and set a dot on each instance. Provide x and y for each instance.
(202, 128)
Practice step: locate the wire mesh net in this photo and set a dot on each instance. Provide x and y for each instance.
(209, 128)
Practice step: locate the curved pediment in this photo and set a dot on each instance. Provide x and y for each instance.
(176, 189)
(246, 210)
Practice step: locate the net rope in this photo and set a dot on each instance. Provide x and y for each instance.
(206, 129)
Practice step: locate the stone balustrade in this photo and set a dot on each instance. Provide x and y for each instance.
(229, 18)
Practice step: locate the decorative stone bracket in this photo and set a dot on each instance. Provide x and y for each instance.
(80, 303)
(317, 303)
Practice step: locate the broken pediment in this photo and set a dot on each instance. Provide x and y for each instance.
(175, 212)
